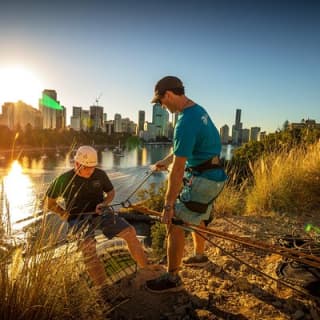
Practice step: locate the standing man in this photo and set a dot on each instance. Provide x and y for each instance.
(196, 167)
(79, 197)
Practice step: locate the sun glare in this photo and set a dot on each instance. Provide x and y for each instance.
(20, 204)
(18, 83)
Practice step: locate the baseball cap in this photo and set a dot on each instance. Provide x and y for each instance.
(164, 84)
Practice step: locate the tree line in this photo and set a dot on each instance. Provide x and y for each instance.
(54, 138)
(281, 141)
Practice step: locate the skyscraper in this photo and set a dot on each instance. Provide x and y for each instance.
(141, 120)
(75, 121)
(117, 123)
(85, 120)
(52, 118)
(160, 118)
(245, 135)
(96, 117)
(238, 118)
(224, 134)
(20, 115)
(254, 133)
(236, 128)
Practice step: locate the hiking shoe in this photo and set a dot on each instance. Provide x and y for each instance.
(196, 261)
(165, 283)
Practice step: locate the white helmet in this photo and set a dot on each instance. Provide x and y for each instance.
(86, 156)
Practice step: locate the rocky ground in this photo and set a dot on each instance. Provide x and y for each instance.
(226, 288)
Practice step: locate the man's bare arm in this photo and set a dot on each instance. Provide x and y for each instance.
(164, 163)
(107, 200)
(175, 179)
(174, 186)
(51, 204)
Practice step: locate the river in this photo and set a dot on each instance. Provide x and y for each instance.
(23, 184)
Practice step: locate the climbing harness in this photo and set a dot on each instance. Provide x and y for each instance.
(194, 171)
(185, 197)
(212, 163)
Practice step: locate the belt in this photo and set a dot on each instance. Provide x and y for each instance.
(212, 163)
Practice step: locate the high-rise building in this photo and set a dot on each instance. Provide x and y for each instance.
(75, 123)
(160, 118)
(117, 123)
(238, 117)
(52, 118)
(125, 125)
(141, 120)
(245, 134)
(96, 117)
(109, 127)
(7, 117)
(76, 111)
(85, 120)
(75, 120)
(150, 131)
(254, 133)
(20, 115)
(236, 128)
(224, 134)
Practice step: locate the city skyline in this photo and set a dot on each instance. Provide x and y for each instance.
(260, 57)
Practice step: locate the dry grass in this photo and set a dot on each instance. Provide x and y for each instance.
(41, 284)
(286, 182)
(231, 199)
(45, 284)
(282, 182)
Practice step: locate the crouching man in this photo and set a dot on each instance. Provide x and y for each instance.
(79, 197)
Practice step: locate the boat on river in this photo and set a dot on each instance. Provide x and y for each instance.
(117, 150)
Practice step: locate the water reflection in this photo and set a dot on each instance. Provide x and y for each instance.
(227, 152)
(26, 181)
(19, 191)
(142, 156)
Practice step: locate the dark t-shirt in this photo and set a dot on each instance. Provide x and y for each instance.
(80, 194)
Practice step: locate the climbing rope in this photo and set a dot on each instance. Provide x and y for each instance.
(250, 266)
(127, 203)
(293, 254)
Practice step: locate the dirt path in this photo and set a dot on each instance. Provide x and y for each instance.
(227, 289)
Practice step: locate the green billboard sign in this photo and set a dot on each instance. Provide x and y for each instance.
(50, 103)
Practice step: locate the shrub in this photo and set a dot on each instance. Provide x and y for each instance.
(153, 198)
(159, 243)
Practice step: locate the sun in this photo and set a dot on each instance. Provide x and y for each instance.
(19, 83)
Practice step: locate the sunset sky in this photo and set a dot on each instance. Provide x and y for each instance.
(260, 56)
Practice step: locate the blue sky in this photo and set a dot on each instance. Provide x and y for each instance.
(259, 56)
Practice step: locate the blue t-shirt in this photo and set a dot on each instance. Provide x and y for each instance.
(197, 139)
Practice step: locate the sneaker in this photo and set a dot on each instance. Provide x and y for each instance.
(196, 261)
(165, 283)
